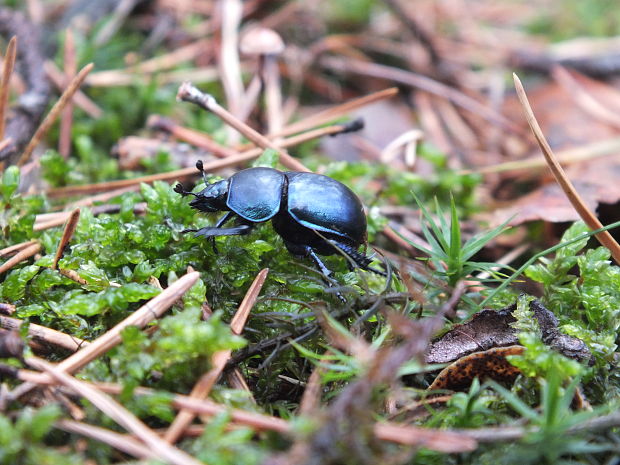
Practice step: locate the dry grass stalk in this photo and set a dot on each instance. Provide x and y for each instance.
(7, 71)
(605, 238)
(584, 99)
(205, 383)
(393, 432)
(423, 83)
(10, 250)
(46, 335)
(118, 413)
(118, 441)
(80, 99)
(230, 68)
(335, 112)
(591, 151)
(104, 197)
(53, 114)
(154, 308)
(7, 309)
(67, 234)
(441, 441)
(191, 136)
(116, 78)
(5, 143)
(66, 122)
(74, 276)
(239, 159)
(20, 256)
(189, 93)
(236, 380)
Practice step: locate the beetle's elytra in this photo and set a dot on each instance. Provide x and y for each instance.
(314, 214)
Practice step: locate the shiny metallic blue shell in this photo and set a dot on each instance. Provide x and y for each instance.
(323, 204)
(256, 193)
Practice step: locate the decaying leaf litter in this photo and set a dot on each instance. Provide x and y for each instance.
(120, 329)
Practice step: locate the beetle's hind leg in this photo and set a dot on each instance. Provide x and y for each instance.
(361, 261)
(326, 272)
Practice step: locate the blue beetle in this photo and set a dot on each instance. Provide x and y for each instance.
(314, 214)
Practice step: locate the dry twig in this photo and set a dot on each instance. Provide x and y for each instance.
(220, 359)
(74, 85)
(7, 71)
(605, 238)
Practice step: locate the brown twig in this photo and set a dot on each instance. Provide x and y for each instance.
(189, 93)
(80, 98)
(239, 159)
(190, 136)
(66, 122)
(10, 250)
(584, 99)
(20, 256)
(335, 112)
(230, 69)
(154, 308)
(7, 71)
(54, 113)
(118, 413)
(584, 212)
(423, 83)
(575, 155)
(116, 440)
(46, 335)
(205, 383)
(393, 432)
(67, 234)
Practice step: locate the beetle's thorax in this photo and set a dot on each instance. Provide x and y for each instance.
(212, 198)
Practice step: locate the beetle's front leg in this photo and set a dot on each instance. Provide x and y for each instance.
(212, 231)
(221, 222)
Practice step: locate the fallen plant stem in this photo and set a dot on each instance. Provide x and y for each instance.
(203, 386)
(80, 98)
(393, 432)
(586, 152)
(16, 248)
(335, 112)
(241, 158)
(20, 256)
(189, 93)
(116, 440)
(118, 413)
(153, 309)
(66, 122)
(191, 136)
(423, 83)
(53, 114)
(67, 234)
(7, 71)
(582, 209)
(44, 334)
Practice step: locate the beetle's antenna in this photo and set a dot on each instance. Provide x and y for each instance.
(179, 190)
(200, 167)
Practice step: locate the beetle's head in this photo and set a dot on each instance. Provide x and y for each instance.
(212, 198)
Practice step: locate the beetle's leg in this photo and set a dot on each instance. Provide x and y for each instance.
(211, 231)
(361, 260)
(227, 217)
(323, 269)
